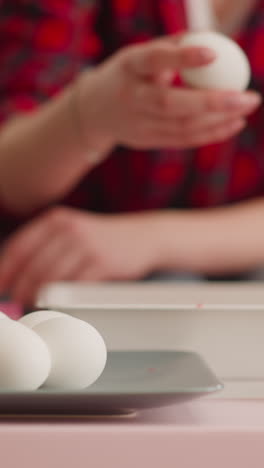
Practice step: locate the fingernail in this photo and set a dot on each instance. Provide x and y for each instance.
(198, 56)
(238, 101)
(206, 54)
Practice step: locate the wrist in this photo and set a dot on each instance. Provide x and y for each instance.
(161, 228)
(179, 248)
(95, 140)
(203, 242)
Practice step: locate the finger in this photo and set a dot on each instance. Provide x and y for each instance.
(160, 55)
(208, 123)
(212, 135)
(218, 134)
(57, 262)
(187, 126)
(184, 140)
(20, 248)
(37, 268)
(184, 103)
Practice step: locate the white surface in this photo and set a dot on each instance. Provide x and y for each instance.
(229, 71)
(81, 295)
(24, 358)
(78, 352)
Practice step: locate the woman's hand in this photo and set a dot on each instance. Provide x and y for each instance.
(129, 100)
(66, 244)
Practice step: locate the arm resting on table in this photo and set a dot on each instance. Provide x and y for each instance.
(214, 241)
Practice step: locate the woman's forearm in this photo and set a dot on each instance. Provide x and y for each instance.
(215, 241)
(42, 155)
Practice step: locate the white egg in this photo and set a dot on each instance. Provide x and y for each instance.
(78, 352)
(229, 71)
(24, 358)
(34, 318)
(3, 315)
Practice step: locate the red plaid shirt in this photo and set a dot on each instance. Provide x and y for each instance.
(44, 44)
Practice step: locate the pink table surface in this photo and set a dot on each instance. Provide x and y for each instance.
(202, 434)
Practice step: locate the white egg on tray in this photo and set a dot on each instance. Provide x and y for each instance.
(229, 71)
(49, 348)
(78, 352)
(34, 318)
(3, 315)
(25, 360)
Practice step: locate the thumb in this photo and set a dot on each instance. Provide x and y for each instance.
(165, 56)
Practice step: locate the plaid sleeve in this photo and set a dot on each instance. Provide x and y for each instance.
(43, 45)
